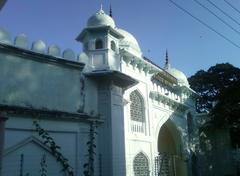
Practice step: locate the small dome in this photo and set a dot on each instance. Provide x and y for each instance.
(129, 40)
(100, 19)
(181, 78)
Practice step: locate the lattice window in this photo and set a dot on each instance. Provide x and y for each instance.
(140, 165)
(137, 107)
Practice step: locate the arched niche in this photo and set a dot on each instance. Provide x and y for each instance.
(170, 150)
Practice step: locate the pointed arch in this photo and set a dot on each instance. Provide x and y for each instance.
(141, 165)
(170, 138)
(137, 107)
(171, 149)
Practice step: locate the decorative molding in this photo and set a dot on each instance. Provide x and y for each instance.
(31, 139)
(46, 113)
(38, 47)
(176, 106)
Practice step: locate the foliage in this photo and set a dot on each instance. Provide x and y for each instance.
(43, 164)
(21, 166)
(89, 166)
(55, 149)
(227, 109)
(219, 90)
(209, 84)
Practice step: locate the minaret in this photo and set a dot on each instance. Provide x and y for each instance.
(167, 65)
(110, 11)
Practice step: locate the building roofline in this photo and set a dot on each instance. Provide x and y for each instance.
(97, 28)
(40, 57)
(47, 113)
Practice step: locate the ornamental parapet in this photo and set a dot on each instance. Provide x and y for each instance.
(141, 63)
(164, 78)
(175, 105)
(21, 41)
(186, 90)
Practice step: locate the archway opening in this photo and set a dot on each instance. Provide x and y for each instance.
(170, 160)
(166, 142)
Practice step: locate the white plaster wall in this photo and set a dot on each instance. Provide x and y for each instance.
(156, 115)
(28, 83)
(91, 97)
(70, 136)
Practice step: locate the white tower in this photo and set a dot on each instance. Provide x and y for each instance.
(101, 43)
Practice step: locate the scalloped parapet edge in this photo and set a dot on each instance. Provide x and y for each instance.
(38, 46)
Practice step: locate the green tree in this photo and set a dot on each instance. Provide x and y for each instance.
(227, 110)
(219, 90)
(209, 84)
(226, 113)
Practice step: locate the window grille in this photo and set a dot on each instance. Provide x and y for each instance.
(137, 107)
(140, 165)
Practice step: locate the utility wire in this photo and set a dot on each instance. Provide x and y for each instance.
(214, 14)
(205, 24)
(232, 6)
(226, 14)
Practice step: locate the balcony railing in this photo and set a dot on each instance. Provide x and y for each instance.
(137, 127)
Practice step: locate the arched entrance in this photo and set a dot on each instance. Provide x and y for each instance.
(170, 161)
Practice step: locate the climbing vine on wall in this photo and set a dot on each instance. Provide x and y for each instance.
(82, 93)
(43, 164)
(89, 166)
(55, 149)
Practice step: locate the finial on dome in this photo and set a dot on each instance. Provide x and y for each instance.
(166, 57)
(167, 65)
(110, 11)
(101, 10)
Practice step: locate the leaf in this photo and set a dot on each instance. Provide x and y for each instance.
(40, 132)
(85, 165)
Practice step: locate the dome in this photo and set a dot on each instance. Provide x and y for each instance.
(100, 19)
(181, 78)
(129, 40)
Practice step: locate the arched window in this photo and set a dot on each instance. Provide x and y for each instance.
(140, 165)
(113, 46)
(98, 44)
(137, 107)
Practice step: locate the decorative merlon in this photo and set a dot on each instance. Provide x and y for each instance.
(21, 41)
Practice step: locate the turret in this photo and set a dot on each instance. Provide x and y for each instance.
(100, 43)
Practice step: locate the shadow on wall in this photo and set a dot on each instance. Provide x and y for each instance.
(29, 82)
(171, 158)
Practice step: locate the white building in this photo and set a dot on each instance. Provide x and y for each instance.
(144, 113)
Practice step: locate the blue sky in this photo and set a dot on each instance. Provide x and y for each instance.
(157, 25)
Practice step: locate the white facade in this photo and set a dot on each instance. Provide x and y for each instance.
(143, 112)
